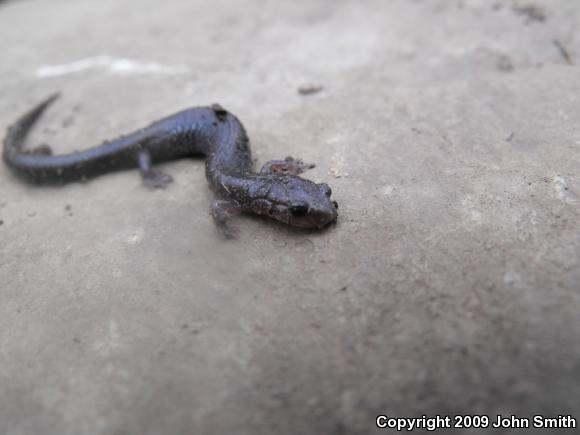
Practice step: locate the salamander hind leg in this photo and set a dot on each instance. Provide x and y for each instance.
(152, 179)
(289, 165)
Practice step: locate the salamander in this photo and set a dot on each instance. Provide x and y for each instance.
(276, 191)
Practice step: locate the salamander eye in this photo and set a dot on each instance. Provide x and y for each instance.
(299, 210)
(326, 189)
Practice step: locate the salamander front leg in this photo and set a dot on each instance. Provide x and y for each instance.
(222, 211)
(152, 179)
(289, 165)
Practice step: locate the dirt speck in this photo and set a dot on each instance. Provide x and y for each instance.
(67, 122)
(310, 89)
(564, 51)
(337, 166)
(505, 63)
(531, 11)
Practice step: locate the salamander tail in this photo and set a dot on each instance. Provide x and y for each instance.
(17, 132)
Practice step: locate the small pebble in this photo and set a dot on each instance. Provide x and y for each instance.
(309, 89)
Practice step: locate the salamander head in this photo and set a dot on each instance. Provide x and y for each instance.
(295, 201)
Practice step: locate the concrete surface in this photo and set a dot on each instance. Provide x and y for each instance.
(450, 134)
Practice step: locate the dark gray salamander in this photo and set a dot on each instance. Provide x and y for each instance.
(276, 191)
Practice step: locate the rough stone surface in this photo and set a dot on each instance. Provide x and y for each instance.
(450, 134)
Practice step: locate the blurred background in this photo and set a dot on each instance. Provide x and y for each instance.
(449, 133)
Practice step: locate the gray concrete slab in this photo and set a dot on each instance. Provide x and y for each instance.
(450, 134)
